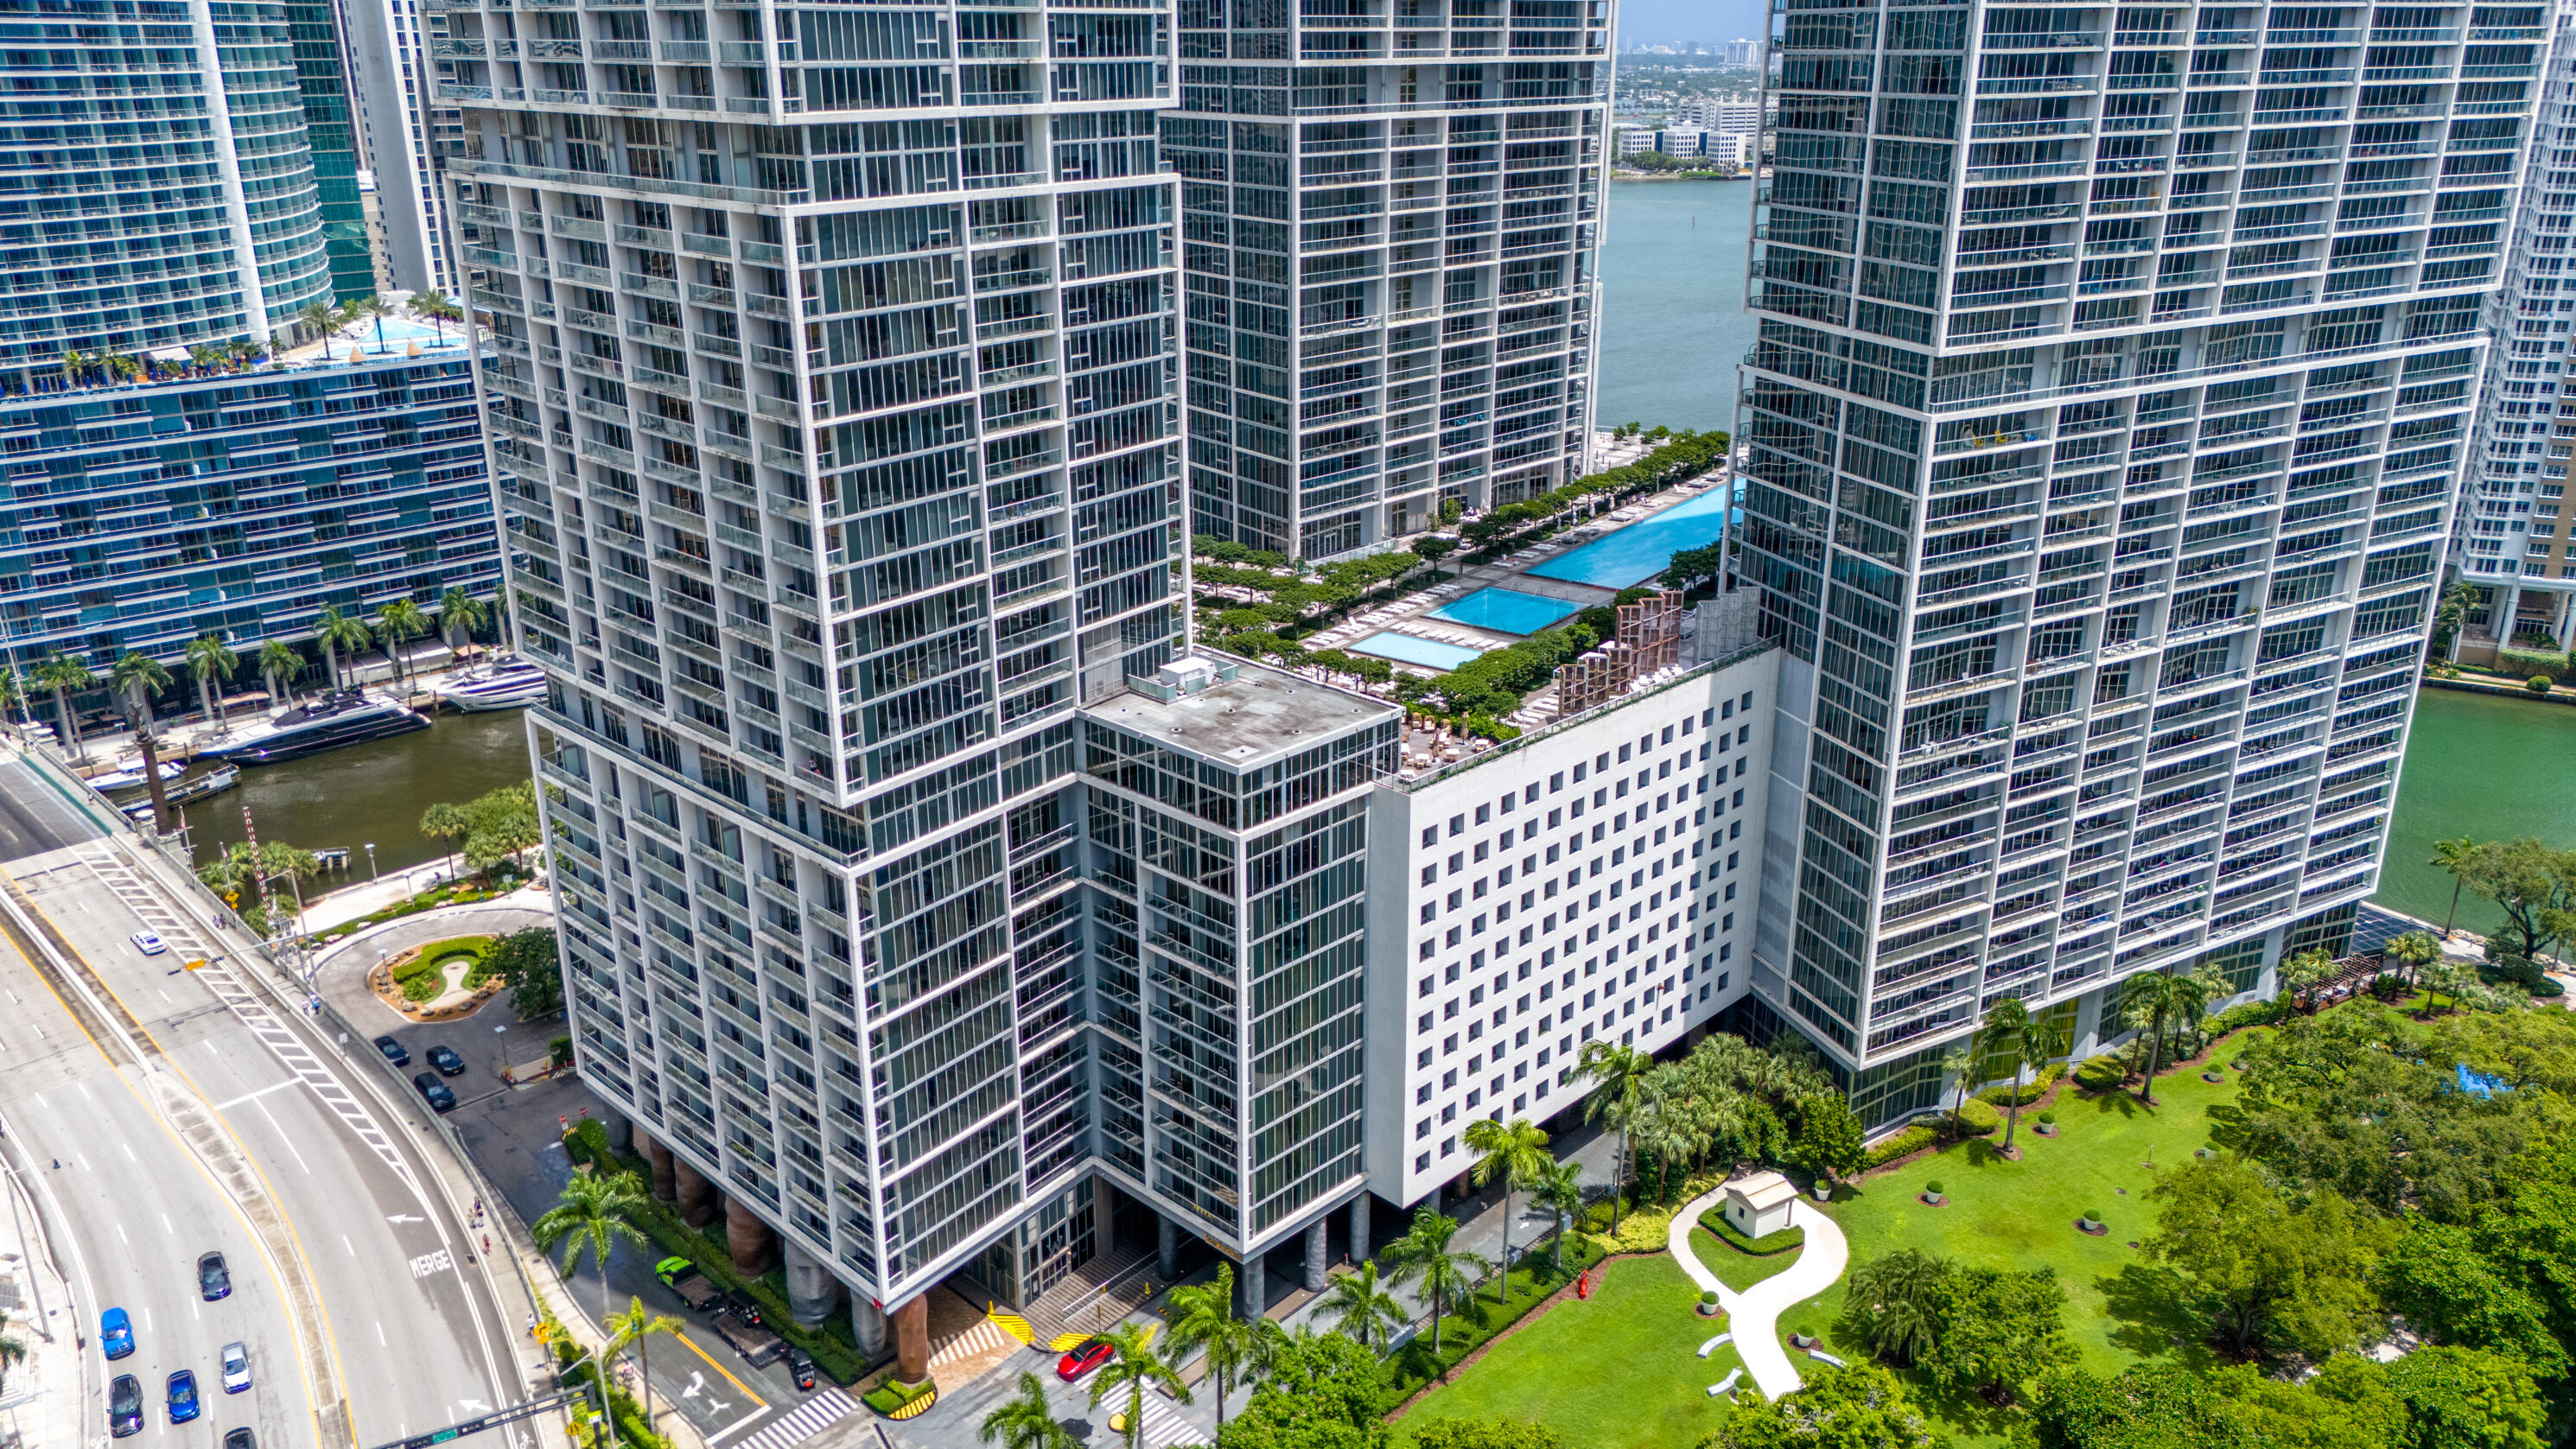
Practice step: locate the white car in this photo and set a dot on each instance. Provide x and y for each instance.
(236, 1368)
(147, 943)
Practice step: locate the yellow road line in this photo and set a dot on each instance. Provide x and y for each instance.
(720, 1368)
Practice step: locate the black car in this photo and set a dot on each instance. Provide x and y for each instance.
(434, 1092)
(800, 1367)
(213, 1279)
(449, 1064)
(395, 1052)
(125, 1406)
(240, 1439)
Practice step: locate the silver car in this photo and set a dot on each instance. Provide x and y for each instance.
(236, 1368)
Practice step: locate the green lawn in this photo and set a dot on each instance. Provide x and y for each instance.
(1734, 1267)
(1618, 1371)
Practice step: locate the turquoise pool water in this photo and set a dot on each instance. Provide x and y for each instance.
(1641, 550)
(1405, 649)
(1505, 611)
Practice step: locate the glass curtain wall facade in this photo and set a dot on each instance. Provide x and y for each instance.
(158, 211)
(2103, 423)
(322, 78)
(2513, 540)
(1391, 214)
(833, 390)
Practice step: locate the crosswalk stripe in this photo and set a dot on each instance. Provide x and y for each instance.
(812, 1417)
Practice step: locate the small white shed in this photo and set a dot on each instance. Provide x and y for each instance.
(1759, 1206)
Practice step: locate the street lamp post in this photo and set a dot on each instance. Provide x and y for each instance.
(372, 876)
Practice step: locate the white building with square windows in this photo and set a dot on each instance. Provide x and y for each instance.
(1596, 878)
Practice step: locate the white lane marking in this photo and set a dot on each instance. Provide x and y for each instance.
(165, 996)
(738, 1425)
(82, 1159)
(129, 1153)
(255, 1096)
(165, 1226)
(474, 1406)
(398, 1219)
(282, 1137)
(83, 1089)
(345, 1243)
(121, 1237)
(428, 1263)
(380, 1335)
(147, 1318)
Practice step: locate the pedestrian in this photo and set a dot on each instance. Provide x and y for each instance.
(532, 1325)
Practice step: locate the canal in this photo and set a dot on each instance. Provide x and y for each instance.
(371, 792)
(2485, 766)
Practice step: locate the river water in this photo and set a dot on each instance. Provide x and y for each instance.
(1673, 324)
(372, 792)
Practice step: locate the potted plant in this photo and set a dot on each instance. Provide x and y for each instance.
(1932, 1195)
(2091, 1224)
(2046, 1126)
(1708, 1304)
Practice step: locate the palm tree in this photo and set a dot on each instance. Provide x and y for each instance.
(1515, 1152)
(1202, 1318)
(1895, 1299)
(459, 615)
(1360, 1307)
(2028, 1042)
(399, 623)
(1560, 1191)
(135, 679)
(2148, 1003)
(592, 1212)
(2447, 977)
(369, 308)
(278, 666)
(1135, 1367)
(62, 673)
(1023, 1421)
(1959, 1064)
(631, 1328)
(74, 363)
(2306, 971)
(336, 631)
(319, 318)
(2458, 858)
(1423, 1253)
(439, 310)
(2415, 950)
(1618, 1075)
(13, 691)
(213, 663)
(12, 1350)
(446, 824)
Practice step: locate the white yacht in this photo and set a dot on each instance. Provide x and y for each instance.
(506, 682)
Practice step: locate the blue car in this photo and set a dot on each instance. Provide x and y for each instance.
(116, 1333)
(183, 1396)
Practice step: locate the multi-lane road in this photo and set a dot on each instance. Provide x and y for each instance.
(162, 1110)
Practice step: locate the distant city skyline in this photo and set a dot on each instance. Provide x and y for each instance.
(1672, 22)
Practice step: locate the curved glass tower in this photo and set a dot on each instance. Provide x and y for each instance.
(134, 193)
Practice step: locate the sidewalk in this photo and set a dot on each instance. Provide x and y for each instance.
(350, 903)
(48, 1402)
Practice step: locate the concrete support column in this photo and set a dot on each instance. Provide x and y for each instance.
(812, 1292)
(912, 1339)
(2086, 1038)
(1315, 1234)
(621, 1129)
(748, 1240)
(868, 1326)
(1251, 1289)
(1360, 1228)
(1167, 1248)
(697, 1196)
(665, 1182)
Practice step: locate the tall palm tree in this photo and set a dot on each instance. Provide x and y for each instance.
(1360, 1306)
(1423, 1254)
(213, 663)
(1618, 1075)
(593, 1212)
(630, 1329)
(439, 310)
(2028, 1042)
(319, 318)
(135, 679)
(459, 615)
(62, 674)
(1135, 1367)
(2306, 971)
(398, 623)
(2458, 858)
(13, 691)
(1959, 1064)
(1202, 1318)
(2149, 1002)
(1515, 1152)
(336, 631)
(278, 666)
(1024, 1421)
(2415, 950)
(446, 824)
(1560, 1191)
(74, 363)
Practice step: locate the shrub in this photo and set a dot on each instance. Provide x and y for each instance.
(2048, 1117)
(1977, 1119)
(2030, 1091)
(2538, 684)
(2252, 1013)
(1903, 1144)
(889, 1396)
(2094, 1215)
(1709, 1296)
(2105, 1072)
(1933, 1187)
(2532, 663)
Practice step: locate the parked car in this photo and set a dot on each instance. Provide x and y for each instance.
(214, 1280)
(240, 1439)
(435, 1092)
(236, 1358)
(449, 1064)
(183, 1396)
(800, 1367)
(1084, 1359)
(395, 1052)
(147, 942)
(115, 1333)
(125, 1406)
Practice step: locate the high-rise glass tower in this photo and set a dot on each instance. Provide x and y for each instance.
(2512, 541)
(331, 132)
(1391, 214)
(2113, 367)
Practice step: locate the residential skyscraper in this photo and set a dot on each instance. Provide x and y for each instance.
(399, 52)
(2103, 425)
(331, 133)
(1390, 225)
(2512, 539)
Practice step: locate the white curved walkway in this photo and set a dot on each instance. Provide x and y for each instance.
(1754, 1314)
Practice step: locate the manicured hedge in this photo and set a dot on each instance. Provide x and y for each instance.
(1479, 1322)
(1768, 1245)
(2526, 663)
(1904, 1144)
(890, 1396)
(1977, 1119)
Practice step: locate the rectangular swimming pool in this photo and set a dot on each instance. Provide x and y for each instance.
(1405, 649)
(1640, 551)
(1506, 611)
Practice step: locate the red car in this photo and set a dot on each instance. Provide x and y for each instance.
(1084, 1359)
